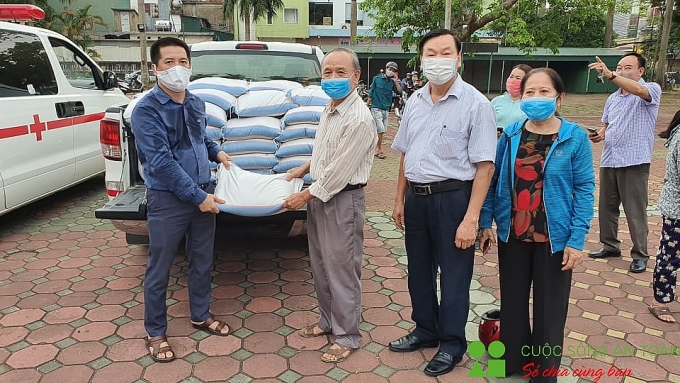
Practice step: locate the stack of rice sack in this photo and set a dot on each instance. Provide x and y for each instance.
(250, 138)
(299, 128)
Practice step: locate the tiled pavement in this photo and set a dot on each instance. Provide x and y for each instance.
(71, 307)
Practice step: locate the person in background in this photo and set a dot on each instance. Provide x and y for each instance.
(507, 105)
(340, 167)
(668, 255)
(169, 129)
(629, 118)
(417, 82)
(447, 140)
(380, 96)
(544, 158)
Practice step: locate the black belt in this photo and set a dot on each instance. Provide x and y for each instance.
(436, 187)
(205, 185)
(353, 187)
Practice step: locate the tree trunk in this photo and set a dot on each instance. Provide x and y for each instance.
(353, 22)
(663, 48)
(447, 15)
(246, 22)
(609, 26)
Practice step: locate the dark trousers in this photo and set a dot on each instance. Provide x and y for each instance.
(335, 232)
(431, 224)
(627, 186)
(667, 261)
(169, 220)
(520, 264)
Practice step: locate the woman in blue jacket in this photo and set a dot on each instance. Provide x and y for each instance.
(541, 198)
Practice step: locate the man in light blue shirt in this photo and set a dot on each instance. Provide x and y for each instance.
(447, 138)
(628, 133)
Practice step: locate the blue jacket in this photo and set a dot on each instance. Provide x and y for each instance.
(568, 186)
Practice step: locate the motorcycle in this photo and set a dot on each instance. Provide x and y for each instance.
(132, 83)
(361, 89)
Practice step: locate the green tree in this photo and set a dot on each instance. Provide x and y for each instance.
(523, 24)
(75, 23)
(251, 10)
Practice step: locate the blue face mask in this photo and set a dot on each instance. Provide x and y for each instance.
(539, 108)
(336, 88)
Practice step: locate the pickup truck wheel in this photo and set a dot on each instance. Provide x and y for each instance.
(136, 239)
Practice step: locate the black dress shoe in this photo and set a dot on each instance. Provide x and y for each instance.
(441, 364)
(602, 253)
(638, 266)
(410, 343)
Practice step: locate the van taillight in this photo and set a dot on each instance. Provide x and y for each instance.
(109, 138)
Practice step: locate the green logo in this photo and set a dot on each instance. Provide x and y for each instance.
(496, 366)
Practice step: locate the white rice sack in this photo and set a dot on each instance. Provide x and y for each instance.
(282, 85)
(127, 114)
(218, 97)
(252, 127)
(303, 115)
(299, 147)
(294, 132)
(215, 115)
(288, 163)
(264, 103)
(257, 145)
(251, 161)
(311, 95)
(232, 86)
(253, 195)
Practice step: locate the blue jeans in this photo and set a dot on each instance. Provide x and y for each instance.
(169, 220)
(380, 117)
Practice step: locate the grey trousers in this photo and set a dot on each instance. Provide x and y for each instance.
(335, 231)
(628, 186)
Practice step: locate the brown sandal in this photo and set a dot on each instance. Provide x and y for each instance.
(337, 354)
(208, 325)
(308, 331)
(155, 346)
(658, 311)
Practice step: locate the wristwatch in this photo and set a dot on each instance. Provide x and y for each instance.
(613, 76)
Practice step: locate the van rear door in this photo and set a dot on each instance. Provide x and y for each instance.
(36, 144)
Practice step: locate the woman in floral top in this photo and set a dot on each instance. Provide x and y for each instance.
(541, 198)
(668, 255)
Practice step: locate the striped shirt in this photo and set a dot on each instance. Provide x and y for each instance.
(629, 138)
(343, 147)
(445, 139)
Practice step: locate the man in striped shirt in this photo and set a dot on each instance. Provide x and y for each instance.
(628, 133)
(340, 168)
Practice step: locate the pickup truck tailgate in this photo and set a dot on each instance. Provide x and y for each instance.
(128, 205)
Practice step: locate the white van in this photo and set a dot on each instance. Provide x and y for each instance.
(52, 97)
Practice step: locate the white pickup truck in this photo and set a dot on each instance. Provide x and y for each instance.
(252, 61)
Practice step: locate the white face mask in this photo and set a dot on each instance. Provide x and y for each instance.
(176, 78)
(439, 70)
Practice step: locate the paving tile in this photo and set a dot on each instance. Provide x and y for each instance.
(401, 360)
(263, 290)
(263, 342)
(219, 345)
(264, 366)
(122, 372)
(295, 341)
(217, 369)
(263, 322)
(49, 334)
(300, 303)
(11, 335)
(360, 361)
(385, 334)
(94, 331)
(362, 377)
(309, 363)
(176, 371)
(116, 297)
(127, 350)
(381, 316)
(81, 353)
(64, 315)
(32, 356)
(70, 374)
(37, 301)
(21, 376)
(263, 304)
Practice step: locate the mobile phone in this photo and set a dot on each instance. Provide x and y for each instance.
(592, 131)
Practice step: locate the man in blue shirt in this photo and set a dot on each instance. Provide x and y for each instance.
(380, 100)
(169, 129)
